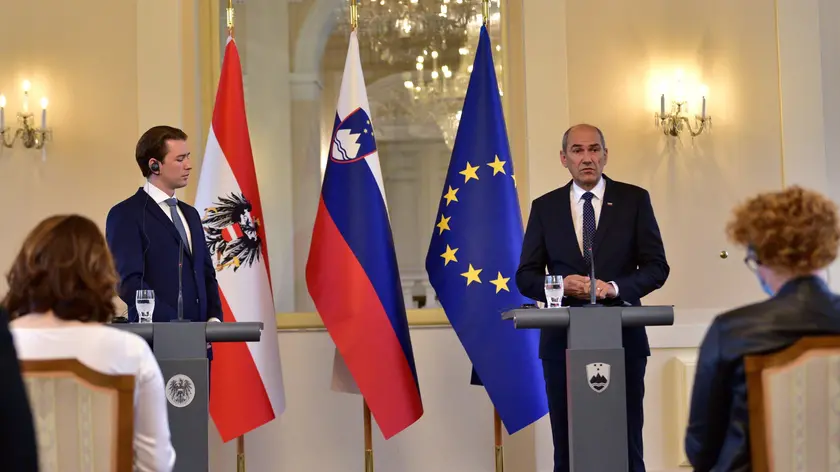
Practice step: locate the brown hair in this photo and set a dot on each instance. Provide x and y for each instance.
(795, 230)
(153, 145)
(64, 266)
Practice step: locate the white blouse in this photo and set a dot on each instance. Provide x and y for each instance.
(111, 351)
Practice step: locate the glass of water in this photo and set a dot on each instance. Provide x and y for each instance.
(553, 291)
(145, 303)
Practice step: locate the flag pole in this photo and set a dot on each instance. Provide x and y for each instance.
(500, 450)
(354, 23)
(240, 440)
(368, 441)
(499, 447)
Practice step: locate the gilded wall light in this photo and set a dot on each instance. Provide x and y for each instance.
(676, 120)
(27, 133)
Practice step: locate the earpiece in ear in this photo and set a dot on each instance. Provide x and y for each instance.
(155, 167)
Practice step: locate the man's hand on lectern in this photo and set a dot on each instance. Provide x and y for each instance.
(576, 286)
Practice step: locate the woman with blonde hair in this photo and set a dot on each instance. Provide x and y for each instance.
(61, 290)
(790, 237)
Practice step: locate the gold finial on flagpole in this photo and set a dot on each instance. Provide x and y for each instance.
(354, 15)
(485, 10)
(230, 18)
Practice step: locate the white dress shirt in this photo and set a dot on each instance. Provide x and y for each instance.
(160, 197)
(111, 351)
(577, 202)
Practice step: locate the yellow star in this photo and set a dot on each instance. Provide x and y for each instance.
(469, 173)
(450, 195)
(449, 255)
(498, 166)
(444, 224)
(472, 275)
(500, 283)
(514, 180)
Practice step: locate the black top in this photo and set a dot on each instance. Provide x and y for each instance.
(718, 428)
(18, 451)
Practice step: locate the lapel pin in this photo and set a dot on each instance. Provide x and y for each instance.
(609, 204)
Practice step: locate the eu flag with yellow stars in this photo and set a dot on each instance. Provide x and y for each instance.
(474, 253)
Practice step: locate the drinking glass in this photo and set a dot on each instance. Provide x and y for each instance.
(144, 301)
(553, 291)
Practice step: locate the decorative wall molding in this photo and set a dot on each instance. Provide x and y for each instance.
(685, 367)
(686, 333)
(305, 86)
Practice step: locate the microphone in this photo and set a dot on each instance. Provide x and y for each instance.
(180, 283)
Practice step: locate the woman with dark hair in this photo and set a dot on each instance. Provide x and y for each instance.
(790, 237)
(61, 290)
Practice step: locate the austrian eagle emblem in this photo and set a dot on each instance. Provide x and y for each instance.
(232, 233)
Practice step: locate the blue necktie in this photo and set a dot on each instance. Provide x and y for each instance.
(176, 218)
(588, 226)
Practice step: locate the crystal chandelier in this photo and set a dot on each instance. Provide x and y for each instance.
(435, 41)
(400, 30)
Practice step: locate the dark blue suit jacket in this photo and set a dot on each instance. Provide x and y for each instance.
(145, 245)
(628, 250)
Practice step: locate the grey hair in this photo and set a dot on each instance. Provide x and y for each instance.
(566, 135)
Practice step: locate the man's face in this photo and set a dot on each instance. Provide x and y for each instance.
(584, 156)
(176, 166)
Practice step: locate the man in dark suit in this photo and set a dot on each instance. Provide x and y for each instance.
(152, 231)
(616, 220)
(18, 450)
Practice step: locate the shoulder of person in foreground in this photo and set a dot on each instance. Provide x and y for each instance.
(17, 431)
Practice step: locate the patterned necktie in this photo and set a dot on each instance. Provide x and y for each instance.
(176, 218)
(588, 226)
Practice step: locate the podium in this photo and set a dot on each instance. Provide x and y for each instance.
(595, 376)
(181, 350)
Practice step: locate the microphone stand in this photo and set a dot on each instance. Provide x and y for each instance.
(180, 283)
(592, 285)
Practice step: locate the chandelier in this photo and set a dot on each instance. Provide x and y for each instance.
(401, 30)
(433, 41)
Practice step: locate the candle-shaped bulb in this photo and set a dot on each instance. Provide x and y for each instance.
(2, 101)
(704, 91)
(662, 105)
(44, 103)
(26, 86)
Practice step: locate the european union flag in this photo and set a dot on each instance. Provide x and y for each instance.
(474, 253)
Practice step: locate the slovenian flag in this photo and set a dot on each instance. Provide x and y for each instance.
(352, 272)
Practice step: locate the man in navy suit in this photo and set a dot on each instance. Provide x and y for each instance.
(152, 231)
(616, 220)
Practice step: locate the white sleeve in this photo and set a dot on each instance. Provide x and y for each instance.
(153, 451)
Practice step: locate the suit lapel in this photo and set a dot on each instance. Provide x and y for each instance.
(196, 229)
(607, 214)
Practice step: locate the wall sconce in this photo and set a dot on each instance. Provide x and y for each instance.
(676, 121)
(27, 133)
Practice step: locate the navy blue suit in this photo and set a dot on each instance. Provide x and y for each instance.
(628, 250)
(142, 237)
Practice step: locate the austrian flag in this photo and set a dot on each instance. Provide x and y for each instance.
(247, 387)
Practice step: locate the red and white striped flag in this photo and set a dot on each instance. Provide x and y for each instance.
(247, 380)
